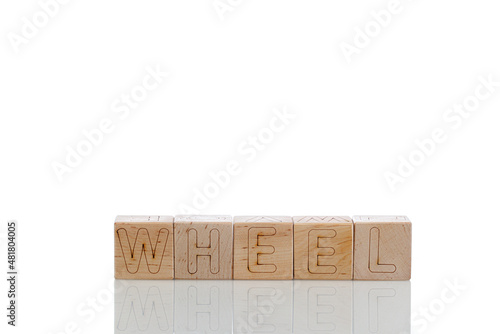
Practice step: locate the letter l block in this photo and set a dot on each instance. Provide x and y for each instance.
(382, 248)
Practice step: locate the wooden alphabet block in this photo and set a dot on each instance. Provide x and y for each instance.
(263, 247)
(382, 248)
(203, 247)
(323, 247)
(144, 247)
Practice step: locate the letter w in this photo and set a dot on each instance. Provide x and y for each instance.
(142, 247)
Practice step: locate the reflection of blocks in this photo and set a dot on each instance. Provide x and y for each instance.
(322, 307)
(263, 247)
(382, 307)
(203, 247)
(263, 307)
(144, 307)
(144, 247)
(382, 249)
(323, 247)
(203, 307)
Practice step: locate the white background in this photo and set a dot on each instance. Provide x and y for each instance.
(226, 76)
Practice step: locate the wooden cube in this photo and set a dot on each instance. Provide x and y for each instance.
(382, 248)
(144, 247)
(323, 247)
(263, 247)
(203, 247)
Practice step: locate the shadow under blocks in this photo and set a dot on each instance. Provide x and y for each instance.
(219, 247)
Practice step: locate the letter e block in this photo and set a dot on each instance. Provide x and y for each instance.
(263, 247)
(144, 247)
(382, 248)
(323, 247)
(203, 247)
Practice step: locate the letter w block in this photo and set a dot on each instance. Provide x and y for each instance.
(144, 247)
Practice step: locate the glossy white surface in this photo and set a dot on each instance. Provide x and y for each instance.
(262, 307)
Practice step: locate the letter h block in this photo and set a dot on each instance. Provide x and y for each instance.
(263, 247)
(382, 248)
(203, 247)
(144, 247)
(323, 247)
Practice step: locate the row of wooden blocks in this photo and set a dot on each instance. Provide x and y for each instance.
(263, 247)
